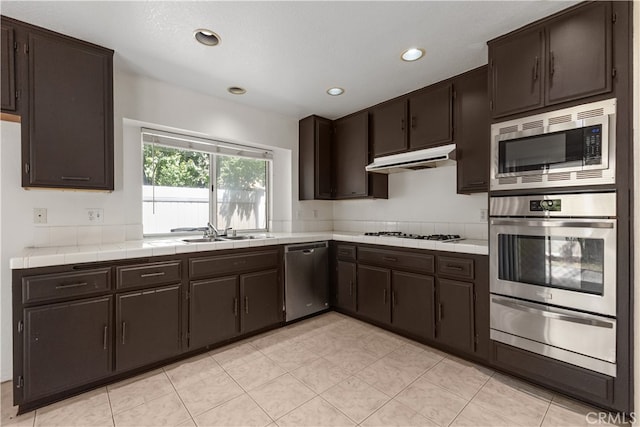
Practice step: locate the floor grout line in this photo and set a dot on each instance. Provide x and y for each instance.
(180, 397)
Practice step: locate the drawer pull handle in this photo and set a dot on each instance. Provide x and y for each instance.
(75, 178)
(72, 285)
(124, 331)
(390, 258)
(235, 307)
(393, 299)
(345, 253)
(455, 267)
(439, 312)
(246, 305)
(159, 273)
(384, 297)
(239, 262)
(351, 288)
(478, 183)
(104, 338)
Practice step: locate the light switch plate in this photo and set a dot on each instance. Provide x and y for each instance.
(39, 215)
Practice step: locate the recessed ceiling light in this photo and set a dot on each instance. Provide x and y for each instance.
(335, 91)
(206, 37)
(412, 54)
(237, 90)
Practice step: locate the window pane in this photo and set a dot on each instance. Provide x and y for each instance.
(180, 196)
(241, 199)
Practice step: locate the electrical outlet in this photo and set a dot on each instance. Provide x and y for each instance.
(315, 213)
(483, 215)
(95, 214)
(39, 215)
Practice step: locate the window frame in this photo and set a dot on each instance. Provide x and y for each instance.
(214, 154)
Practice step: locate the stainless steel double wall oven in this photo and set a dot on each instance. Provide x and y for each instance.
(553, 253)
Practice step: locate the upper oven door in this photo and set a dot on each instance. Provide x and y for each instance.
(568, 263)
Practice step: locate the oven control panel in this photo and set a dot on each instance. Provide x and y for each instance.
(553, 205)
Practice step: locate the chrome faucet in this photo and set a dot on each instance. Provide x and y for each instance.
(209, 230)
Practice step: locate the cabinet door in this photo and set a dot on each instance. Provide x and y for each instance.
(261, 300)
(68, 134)
(412, 302)
(213, 311)
(315, 158)
(148, 326)
(455, 314)
(374, 286)
(8, 76)
(516, 66)
(346, 286)
(579, 54)
(389, 128)
(431, 117)
(352, 155)
(66, 345)
(473, 139)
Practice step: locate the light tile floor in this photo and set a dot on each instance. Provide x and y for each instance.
(327, 371)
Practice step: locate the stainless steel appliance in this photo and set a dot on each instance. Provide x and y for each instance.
(569, 147)
(553, 276)
(438, 237)
(306, 279)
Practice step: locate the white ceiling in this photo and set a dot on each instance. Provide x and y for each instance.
(287, 54)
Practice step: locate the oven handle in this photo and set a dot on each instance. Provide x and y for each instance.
(545, 312)
(553, 223)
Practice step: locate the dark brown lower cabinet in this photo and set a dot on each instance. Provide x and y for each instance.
(345, 292)
(148, 326)
(374, 289)
(213, 311)
(455, 314)
(412, 302)
(260, 300)
(66, 345)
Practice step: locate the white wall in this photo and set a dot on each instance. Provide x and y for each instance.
(137, 101)
(423, 201)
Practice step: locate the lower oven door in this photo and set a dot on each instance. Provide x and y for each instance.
(581, 339)
(564, 262)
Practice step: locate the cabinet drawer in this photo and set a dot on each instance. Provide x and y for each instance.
(346, 252)
(48, 287)
(456, 267)
(225, 264)
(397, 259)
(148, 274)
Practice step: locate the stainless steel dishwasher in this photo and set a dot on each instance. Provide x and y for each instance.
(306, 279)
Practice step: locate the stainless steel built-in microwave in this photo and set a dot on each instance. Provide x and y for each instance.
(570, 147)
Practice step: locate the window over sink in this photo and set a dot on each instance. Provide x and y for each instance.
(189, 181)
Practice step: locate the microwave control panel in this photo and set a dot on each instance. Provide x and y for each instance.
(553, 205)
(592, 145)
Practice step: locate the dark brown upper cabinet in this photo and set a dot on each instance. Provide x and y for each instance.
(472, 132)
(351, 142)
(431, 117)
(516, 65)
(8, 76)
(564, 58)
(315, 159)
(65, 89)
(579, 53)
(389, 128)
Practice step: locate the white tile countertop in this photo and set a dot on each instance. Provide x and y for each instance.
(60, 255)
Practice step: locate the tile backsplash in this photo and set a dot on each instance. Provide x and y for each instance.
(47, 236)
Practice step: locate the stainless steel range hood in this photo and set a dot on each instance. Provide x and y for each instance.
(414, 160)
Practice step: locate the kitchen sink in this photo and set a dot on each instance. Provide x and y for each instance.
(204, 240)
(236, 237)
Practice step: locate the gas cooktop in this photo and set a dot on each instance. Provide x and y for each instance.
(438, 237)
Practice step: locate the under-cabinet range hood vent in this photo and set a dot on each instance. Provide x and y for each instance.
(414, 160)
